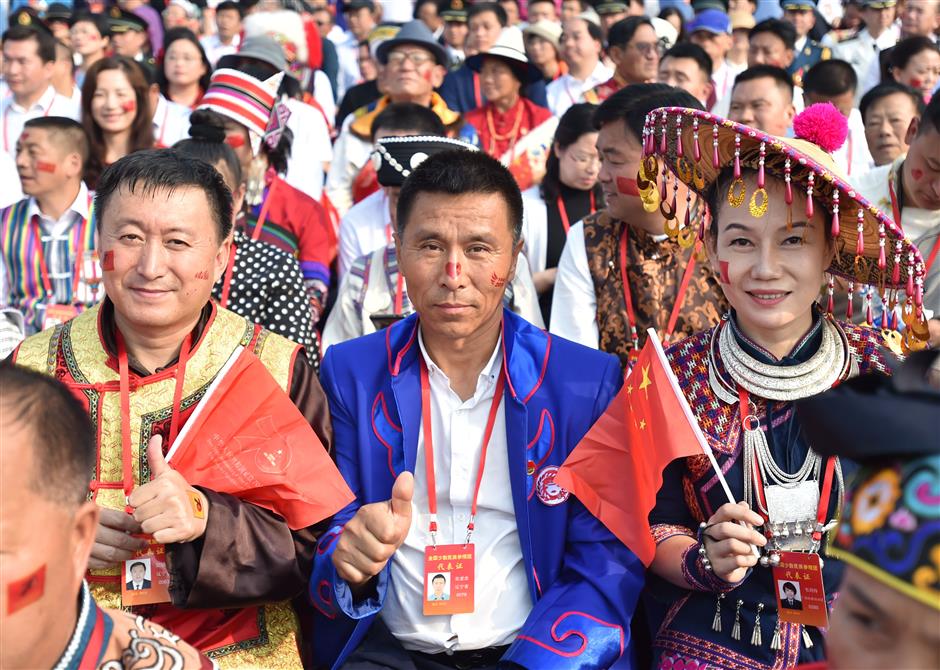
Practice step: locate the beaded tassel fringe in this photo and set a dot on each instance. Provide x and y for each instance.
(775, 641)
(736, 629)
(807, 640)
(755, 636)
(716, 622)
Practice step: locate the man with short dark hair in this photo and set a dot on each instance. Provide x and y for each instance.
(834, 81)
(361, 18)
(771, 42)
(634, 50)
(141, 361)
(29, 55)
(910, 189)
(138, 572)
(581, 47)
(687, 66)
(542, 10)
(762, 98)
(599, 300)
(227, 37)
(887, 111)
(919, 18)
(807, 52)
(48, 618)
(130, 34)
(49, 264)
(452, 424)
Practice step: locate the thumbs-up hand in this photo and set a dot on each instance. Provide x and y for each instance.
(374, 534)
(167, 507)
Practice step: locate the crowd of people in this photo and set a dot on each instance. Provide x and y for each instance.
(660, 279)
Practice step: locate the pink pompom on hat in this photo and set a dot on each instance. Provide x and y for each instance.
(871, 250)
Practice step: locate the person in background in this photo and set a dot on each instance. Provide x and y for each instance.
(573, 8)
(542, 10)
(834, 81)
(361, 19)
(915, 62)
(581, 48)
(771, 42)
(887, 111)
(129, 36)
(633, 48)
(910, 189)
(677, 19)
(569, 192)
(602, 302)
(888, 613)
(47, 240)
(149, 15)
(538, 551)
(260, 282)
(513, 11)
(688, 66)
(741, 25)
(277, 212)
(63, 74)
(543, 47)
(227, 36)
(170, 119)
(919, 18)
(116, 113)
(511, 127)
(879, 33)
(90, 38)
(182, 14)
(373, 286)
(426, 11)
(762, 97)
(711, 29)
(184, 73)
(367, 225)
(369, 90)
(611, 12)
(414, 65)
(49, 618)
(29, 55)
(801, 14)
(56, 17)
(456, 31)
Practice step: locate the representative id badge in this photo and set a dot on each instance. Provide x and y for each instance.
(145, 579)
(798, 584)
(448, 579)
(56, 314)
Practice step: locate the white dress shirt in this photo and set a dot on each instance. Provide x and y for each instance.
(350, 153)
(310, 149)
(347, 56)
(861, 51)
(15, 116)
(215, 49)
(170, 122)
(367, 226)
(853, 157)
(723, 81)
(566, 90)
(574, 303)
(11, 190)
(502, 600)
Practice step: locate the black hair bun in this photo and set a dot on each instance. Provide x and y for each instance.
(207, 133)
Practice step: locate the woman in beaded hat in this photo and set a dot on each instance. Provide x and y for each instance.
(782, 223)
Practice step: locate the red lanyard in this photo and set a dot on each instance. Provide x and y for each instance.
(6, 115)
(895, 207)
(477, 98)
(227, 277)
(933, 255)
(628, 299)
(399, 292)
(826, 493)
(263, 216)
(123, 370)
(43, 268)
(429, 448)
(563, 211)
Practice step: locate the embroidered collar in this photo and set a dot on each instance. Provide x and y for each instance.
(802, 351)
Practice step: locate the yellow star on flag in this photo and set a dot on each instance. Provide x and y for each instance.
(646, 380)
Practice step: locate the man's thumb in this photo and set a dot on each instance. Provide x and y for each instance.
(155, 457)
(402, 493)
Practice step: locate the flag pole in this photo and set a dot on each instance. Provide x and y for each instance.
(696, 429)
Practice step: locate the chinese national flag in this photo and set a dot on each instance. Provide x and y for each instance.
(247, 438)
(617, 468)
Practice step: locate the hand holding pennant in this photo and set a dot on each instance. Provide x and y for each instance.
(617, 468)
(247, 438)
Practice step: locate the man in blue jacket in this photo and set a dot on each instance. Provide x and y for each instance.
(450, 426)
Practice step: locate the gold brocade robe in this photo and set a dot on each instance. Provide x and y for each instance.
(75, 354)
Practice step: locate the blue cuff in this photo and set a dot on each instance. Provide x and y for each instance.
(366, 607)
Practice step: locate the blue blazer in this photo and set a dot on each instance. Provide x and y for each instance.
(583, 582)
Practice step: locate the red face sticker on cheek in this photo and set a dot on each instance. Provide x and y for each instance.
(453, 270)
(497, 281)
(235, 141)
(723, 272)
(129, 106)
(916, 83)
(627, 186)
(26, 591)
(202, 275)
(43, 166)
(917, 174)
(107, 261)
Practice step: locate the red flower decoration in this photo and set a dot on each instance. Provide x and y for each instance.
(823, 125)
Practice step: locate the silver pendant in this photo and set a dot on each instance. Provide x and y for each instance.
(791, 512)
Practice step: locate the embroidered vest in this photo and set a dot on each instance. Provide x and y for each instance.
(74, 354)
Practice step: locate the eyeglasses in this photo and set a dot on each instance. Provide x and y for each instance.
(646, 48)
(417, 58)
